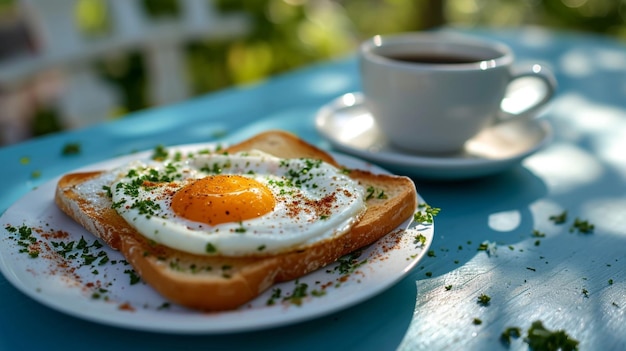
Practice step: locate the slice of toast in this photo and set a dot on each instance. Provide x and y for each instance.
(222, 283)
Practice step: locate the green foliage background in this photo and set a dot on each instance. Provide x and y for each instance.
(287, 34)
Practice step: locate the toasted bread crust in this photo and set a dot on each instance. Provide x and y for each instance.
(206, 285)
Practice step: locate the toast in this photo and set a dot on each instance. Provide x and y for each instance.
(219, 282)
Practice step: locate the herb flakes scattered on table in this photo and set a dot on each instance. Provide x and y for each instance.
(539, 338)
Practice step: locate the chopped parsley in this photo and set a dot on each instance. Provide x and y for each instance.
(483, 300)
(508, 333)
(163, 306)
(134, 278)
(540, 338)
(216, 168)
(373, 193)
(426, 213)
(276, 294)
(160, 153)
(582, 226)
(559, 218)
(420, 239)
(298, 294)
(349, 263)
(81, 248)
(241, 229)
(477, 321)
(146, 207)
(304, 176)
(71, 149)
(25, 239)
(538, 234)
(210, 248)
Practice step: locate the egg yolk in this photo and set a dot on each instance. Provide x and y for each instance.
(220, 199)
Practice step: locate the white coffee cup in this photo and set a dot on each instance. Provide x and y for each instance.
(432, 92)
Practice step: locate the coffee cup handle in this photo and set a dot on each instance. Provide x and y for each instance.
(529, 89)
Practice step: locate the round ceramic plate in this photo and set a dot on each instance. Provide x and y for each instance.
(78, 275)
(349, 127)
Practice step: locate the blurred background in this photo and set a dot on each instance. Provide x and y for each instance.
(69, 63)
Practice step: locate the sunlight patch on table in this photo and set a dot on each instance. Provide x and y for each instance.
(603, 126)
(607, 214)
(587, 117)
(611, 148)
(323, 84)
(581, 167)
(537, 38)
(576, 63)
(521, 290)
(581, 63)
(505, 221)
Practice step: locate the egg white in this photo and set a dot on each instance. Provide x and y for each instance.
(148, 209)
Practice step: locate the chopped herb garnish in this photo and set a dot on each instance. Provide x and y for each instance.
(276, 294)
(426, 213)
(420, 239)
(71, 149)
(25, 239)
(210, 248)
(560, 218)
(240, 229)
(372, 193)
(134, 278)
(477, 321)
(163, 306)
(508, 333)
(349, 263)
(298, 294)
(318, 293)
(483, 300)
(146, 207)
(160, 153)
(582, 226)
(538, 234)
(540, 338)
(448, 287)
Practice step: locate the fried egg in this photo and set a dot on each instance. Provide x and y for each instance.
(242, 204)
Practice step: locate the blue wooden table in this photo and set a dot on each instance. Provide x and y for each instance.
(494, 236)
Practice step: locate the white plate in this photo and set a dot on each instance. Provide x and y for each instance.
(349, 127)
(68, 286)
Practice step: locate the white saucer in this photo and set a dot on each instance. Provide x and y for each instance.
(350, 128)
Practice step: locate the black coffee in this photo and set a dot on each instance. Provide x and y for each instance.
(434, 59)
